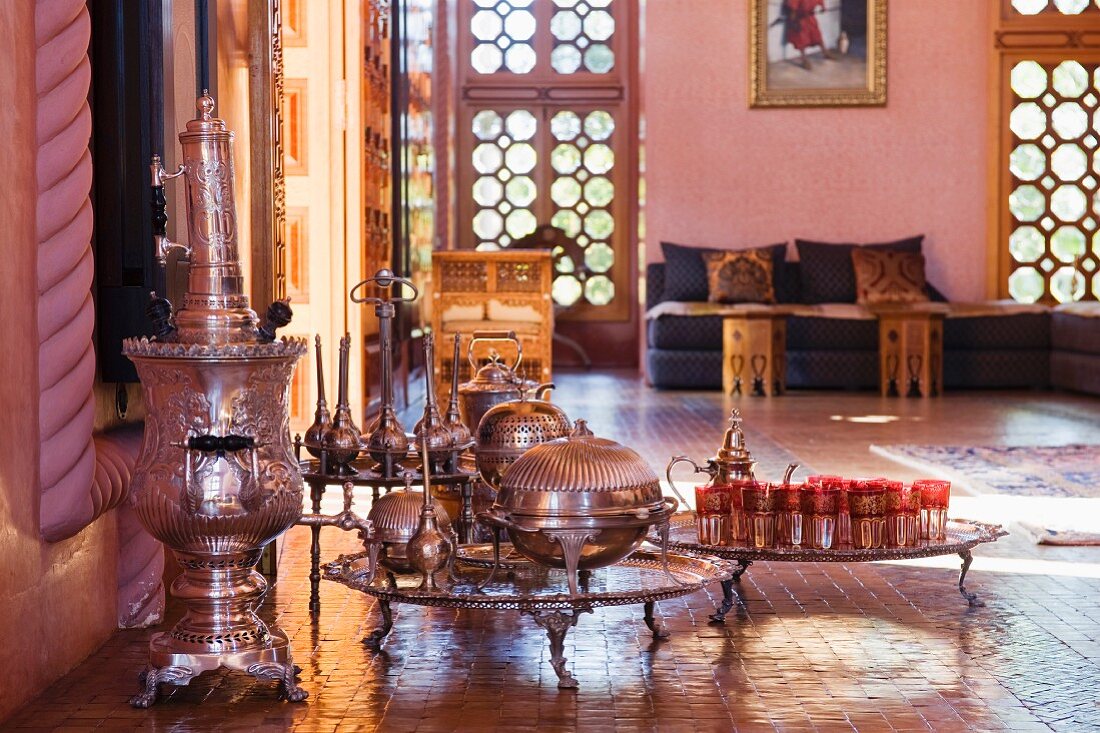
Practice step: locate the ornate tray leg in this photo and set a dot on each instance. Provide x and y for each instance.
(496, 558)
(659, 631)
(557, 623)
(719, 615)
(375, 637)
(971, 598)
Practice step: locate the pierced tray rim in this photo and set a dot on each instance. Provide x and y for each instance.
(694, 569)
(969, 534)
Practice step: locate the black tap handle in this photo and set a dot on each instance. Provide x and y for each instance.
(160, 212)
(278, 315)
(220, 445)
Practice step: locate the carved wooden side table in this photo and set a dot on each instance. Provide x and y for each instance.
(754, 351)
(910, 349)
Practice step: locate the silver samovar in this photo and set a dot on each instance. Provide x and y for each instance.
(216, 480)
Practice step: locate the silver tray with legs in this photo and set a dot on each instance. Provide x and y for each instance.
(962, 536)
(539, 592)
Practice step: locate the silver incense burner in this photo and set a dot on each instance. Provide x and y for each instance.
(216, 480)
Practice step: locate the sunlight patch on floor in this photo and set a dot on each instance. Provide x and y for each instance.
(1009, 565)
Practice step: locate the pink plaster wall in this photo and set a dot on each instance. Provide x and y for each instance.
(721, 174)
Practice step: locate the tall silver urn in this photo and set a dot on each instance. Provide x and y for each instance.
(216, 480)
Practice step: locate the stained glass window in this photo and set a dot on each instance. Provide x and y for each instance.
(503, 30)
(545, 95)
(1054, 7)
(1054, 164)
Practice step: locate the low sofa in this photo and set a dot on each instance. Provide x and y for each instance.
(992, 346)
(1075, 347)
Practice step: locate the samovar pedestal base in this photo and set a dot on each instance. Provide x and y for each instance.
(271, 661)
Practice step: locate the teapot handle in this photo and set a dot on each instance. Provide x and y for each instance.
(668, 474)
(494, 336)
(542, 391)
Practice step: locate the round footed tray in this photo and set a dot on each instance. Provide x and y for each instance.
(962, 535)
(539, 592)
(527, 586)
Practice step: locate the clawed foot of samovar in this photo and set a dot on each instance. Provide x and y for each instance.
(269, 661)
(219, 629)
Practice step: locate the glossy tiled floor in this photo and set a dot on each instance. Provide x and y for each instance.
(809, 647)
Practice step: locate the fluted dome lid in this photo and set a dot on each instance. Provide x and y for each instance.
(583, 463)
(396, 515)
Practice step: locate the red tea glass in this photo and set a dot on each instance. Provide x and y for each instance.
(867, 509)
(935, 495)
(789, 527)
(712, 514)
(738, 524)
(897, 500)
(910, 503)
(759, 511)
(843, 522)
(820, 505)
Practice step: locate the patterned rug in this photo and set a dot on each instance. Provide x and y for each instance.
(1070, 473)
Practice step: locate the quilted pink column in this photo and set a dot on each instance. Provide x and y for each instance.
(81, 476)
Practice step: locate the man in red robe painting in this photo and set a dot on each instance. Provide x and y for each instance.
(800, 27)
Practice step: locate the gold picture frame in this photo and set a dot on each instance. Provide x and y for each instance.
(817, 53)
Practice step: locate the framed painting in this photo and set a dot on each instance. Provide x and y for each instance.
(818, 53)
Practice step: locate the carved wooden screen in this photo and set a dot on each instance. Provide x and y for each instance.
(377, 86)
(545, 135)
(377, 148)
(1049, 153)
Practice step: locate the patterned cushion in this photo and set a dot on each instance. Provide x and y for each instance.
(1079, 372)
(996, 369)
(883, 276)
(849, 369)
(686, 273)
(826, 269)
(740, 277)
(654, 284)
(684, 369)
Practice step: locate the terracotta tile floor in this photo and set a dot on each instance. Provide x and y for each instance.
(809, 647)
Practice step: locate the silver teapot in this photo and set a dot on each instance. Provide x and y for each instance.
(492, 383)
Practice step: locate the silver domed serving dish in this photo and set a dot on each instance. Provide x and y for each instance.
(395, 517)
(579, 503)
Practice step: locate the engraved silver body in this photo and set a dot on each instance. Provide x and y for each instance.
(216, 480)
